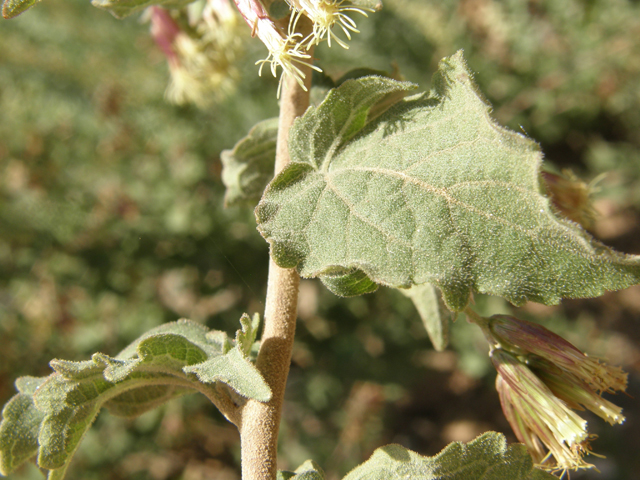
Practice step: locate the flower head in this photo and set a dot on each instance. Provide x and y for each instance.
(539, 419)
(542, 379)
(576, 393)
(286, 50)
(525, 337)
(325, 14)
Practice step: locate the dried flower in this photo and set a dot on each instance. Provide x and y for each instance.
(538, 418)
(542, 378)
(525, 337)
(571, 196)
(574, 392)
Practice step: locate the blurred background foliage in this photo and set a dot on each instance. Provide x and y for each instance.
(111, 222)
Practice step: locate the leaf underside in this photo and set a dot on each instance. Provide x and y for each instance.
(248, 167)
(50, 415)
(430, 191)
(486, 458)
(434, 314)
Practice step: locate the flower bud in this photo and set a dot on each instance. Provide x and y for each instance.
(523, 337)
(325, 14)
(571, 196)
(542, 378)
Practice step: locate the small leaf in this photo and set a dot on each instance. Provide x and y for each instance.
(433, 312)
(13, 8)
(309, 470)
(248, 168)
(20, 426)
(246, 336)
(124, 8)
(431, 191)
(348, 283)
(486, 458)
(232, 370)
(51, 415)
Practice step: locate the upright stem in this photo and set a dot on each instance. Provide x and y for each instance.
(260, 422)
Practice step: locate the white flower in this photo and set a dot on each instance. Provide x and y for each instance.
(285, 50)
(325, 14)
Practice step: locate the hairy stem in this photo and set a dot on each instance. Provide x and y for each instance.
(260, 422)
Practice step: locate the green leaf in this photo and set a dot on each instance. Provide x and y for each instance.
(230, 369)
(246, 336)
(348, 283)
(486, 458)
(248, 168)
(51, 415)
(431, 191)
(124, 8)
(13, 8)
(433, 312)
(20, 426)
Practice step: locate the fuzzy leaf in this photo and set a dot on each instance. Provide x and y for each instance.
(124, 8)
(248, 168)
(13, 8)
(165, 362)
(434, 314)
(431, 191)
(246, 337)
(486, 458)
(348, 283)
(20, 426)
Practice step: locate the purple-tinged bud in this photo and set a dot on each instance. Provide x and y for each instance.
(523, 337)
(164, 31)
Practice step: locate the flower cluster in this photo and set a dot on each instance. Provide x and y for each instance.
(289, 50)
(541, 380)
(202, 43)
(325, 14)
(202, 47)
